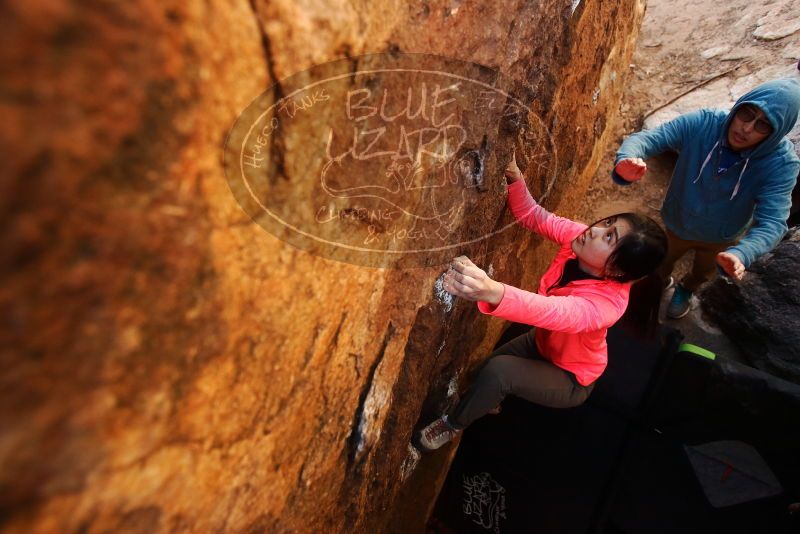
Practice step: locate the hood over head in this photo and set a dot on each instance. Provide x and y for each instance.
(780, 102)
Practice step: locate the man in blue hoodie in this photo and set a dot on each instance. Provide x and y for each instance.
(735, 173)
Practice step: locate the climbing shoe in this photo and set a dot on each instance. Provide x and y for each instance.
(680, 303)
(437, 434)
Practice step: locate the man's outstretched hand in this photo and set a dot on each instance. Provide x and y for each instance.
(631, 169)
(731, 264)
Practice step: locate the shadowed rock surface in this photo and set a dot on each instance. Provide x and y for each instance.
(759, 313)
(168, 365)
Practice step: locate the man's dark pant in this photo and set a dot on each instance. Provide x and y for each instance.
(705, 260)
(516, 368)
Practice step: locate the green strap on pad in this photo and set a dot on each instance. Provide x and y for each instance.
(700, 351)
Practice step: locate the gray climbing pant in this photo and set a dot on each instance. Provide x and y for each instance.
(516, 368)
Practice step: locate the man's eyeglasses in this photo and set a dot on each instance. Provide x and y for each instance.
(748, 114)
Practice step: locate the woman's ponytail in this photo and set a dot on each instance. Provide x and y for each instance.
(641, 316)
(636, 257)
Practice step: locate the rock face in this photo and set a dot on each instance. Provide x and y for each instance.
(765, 324)
(170, 366)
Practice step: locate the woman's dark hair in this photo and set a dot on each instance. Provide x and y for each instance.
(639, 252)
(636, 257)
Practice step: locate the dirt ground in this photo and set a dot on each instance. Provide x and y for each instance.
(692, 54)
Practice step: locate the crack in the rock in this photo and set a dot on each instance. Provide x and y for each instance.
(357, 435)
(311, 347)
(275, 151)
(331, 347)
(335, 340)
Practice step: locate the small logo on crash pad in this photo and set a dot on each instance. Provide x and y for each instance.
(484, 501)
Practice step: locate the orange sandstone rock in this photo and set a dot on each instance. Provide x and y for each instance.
(170, 366)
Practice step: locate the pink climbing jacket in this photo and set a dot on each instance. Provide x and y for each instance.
(571, 321)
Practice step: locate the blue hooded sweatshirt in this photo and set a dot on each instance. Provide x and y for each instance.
(715, 205)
